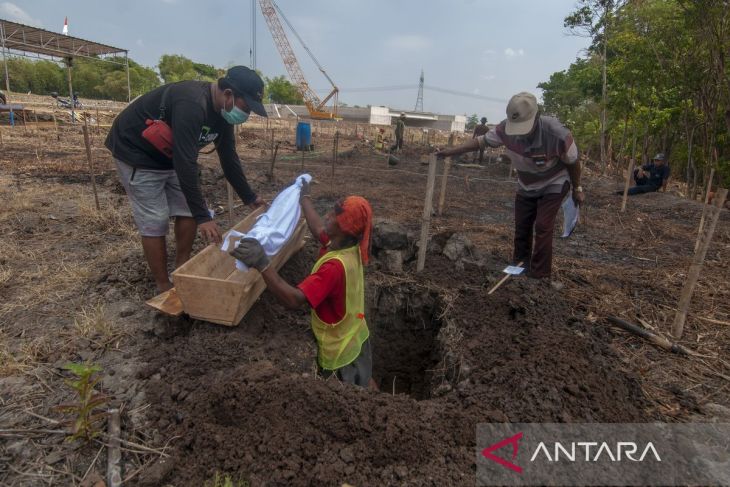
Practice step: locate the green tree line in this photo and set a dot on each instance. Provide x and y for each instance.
(105, 80)
(655, 78)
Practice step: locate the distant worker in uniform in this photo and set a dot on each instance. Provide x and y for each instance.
(545, 156)
(379, 139)
(650, 177)
(400, 128)
(335, 290)
(479, 130)
(161, 177)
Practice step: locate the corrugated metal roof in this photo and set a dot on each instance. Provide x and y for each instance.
(25, 38)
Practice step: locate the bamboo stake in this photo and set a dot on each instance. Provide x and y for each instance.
(229, 190)
(55, 125)
(696, 266)
(653, 338)
(627, 184)
(98, 127)
(427, 210)
(629, 175)
(273, 160)
(704, 208)
(85, 128)
(503, 280)
(444, 180)
(2, 144)
(114, 454)
(335, 148)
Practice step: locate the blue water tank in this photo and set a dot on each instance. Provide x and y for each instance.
(304, 136)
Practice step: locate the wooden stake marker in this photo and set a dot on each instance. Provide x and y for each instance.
(335, 150)
(229, 190)
(444, 180)
(273, 160)
(85, 128)
(627, 184)
(704, 208)
(427, 209)
(697, 262)
(55, 125)
(503, 280)
(114, 455)
(653, 338)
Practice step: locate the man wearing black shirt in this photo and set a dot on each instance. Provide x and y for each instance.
(160, 187)
(651, 177)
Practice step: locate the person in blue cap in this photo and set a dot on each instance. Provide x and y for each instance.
(161, 175)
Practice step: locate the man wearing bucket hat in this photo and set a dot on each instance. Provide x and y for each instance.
(651, 177)
(545, 156)
(155, 142)
(335, 290)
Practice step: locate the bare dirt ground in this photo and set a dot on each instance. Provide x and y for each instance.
(199, 399)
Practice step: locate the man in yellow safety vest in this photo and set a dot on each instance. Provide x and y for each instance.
(335, 290)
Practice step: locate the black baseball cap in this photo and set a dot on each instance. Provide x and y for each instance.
(247, 84)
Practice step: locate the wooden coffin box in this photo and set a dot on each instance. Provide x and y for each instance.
(210, 287)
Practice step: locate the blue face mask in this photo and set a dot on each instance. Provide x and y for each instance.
(236, 116)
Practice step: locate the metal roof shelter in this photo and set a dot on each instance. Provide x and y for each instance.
(25, 40)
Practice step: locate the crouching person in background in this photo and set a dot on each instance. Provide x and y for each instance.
(335, 290)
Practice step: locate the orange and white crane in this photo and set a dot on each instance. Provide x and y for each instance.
(317, 108)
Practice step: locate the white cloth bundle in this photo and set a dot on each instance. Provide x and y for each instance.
(274, 228)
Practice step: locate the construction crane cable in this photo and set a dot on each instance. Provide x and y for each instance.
(413, 87)
(464, 94)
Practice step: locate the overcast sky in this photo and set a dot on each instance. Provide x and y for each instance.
(486, 47)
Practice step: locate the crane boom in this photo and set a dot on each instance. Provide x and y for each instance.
(315, 106)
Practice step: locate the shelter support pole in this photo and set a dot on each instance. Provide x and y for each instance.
(129, 86)
(5, 59)
(69, 62)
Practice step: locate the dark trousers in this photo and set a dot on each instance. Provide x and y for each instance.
(642, 185)
(535, 218)
(644, 188)
(398, 144)
(481, 155)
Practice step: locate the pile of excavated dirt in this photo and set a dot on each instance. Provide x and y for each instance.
(250, 397)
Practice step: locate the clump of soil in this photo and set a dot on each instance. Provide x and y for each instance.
(247, 400)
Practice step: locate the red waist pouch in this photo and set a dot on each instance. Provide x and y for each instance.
(159, 134)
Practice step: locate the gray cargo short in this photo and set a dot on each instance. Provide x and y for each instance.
(155, 196)
(359, 371)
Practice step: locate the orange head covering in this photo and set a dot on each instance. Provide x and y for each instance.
(355, 217)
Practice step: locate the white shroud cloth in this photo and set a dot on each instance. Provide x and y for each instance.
(274, 228)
